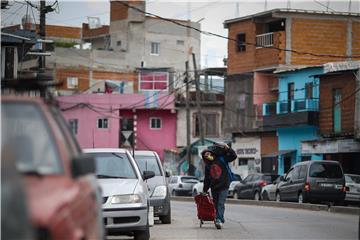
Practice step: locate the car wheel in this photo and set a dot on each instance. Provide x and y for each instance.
(278, 198)
(173, 193)
(265, 196)
(142, 235)
(236, 195)
(257, 196)
(300, 198)
(167, 218)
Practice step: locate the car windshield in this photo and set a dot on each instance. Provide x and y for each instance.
(352, 179)
(148, 163)
(26, 134)
(189, 179)
(325, 170)
(113, 165)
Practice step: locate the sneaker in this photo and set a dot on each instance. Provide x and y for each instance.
(218, 225)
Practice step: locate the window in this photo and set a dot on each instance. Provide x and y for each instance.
(309, 90)
(243, 161)
(240, 42)
(72, 82)
(210, 125)
(155, 48)
(153, 81)
(155, 123)
(73, 125)
(290, 174)
(148, 163)
(325, 170)
(173, 180)
(180, 42)
(102, 123)
(303, 171)
(337, 110)
(118, 43)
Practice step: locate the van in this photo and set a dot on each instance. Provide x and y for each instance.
(313, 181)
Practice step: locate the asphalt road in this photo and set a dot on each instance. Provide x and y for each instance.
(254, 222)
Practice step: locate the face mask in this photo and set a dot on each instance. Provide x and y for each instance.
(210, 158)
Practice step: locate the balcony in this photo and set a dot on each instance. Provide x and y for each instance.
(265, 40)
(291, 113)
(267, 53)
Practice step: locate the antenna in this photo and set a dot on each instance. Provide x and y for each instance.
(349, 10)
(265, 6)
(288, 4)
(237, 10)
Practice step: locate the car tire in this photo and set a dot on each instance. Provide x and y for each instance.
(236, 195)
(265, 196)
(142, 235)
(166, 219)
(257, 196)
(173, 193)
(278, 197)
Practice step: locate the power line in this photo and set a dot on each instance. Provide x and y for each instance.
(235, 40)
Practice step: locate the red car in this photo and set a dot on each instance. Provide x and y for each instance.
(62, 194)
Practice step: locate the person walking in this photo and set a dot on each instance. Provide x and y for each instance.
(218, 176)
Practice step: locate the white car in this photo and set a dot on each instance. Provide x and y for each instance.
(268, 192)
(124, 191)
(197, 188)
(182, 185)
(352, 182)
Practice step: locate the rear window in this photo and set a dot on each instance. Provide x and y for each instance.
(189, 179)
(269, 178)
(113, 165)
(325, 170)
(148, 163)
(352, 179)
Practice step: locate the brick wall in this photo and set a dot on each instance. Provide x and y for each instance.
(62, 31)
(87, 32)
(119, 11)
(129, 76)
(346, 82)
(62, 74)
(320, 37)
(356, 38)
(269, 143)
(252, 58)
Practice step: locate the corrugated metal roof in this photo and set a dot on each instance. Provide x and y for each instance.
(292, 68)
(341, 66)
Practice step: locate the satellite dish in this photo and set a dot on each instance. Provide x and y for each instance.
(94, 22)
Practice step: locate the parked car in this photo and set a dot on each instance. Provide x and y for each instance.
(313, 181)
(158, 187)
(198, 188)
(182, 185)
(268, 192)
(59, 194)
(352, 182)
(250, 187)
(125, 193)
(233, 184)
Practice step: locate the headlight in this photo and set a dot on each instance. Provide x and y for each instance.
(124, 199)
(160, 191)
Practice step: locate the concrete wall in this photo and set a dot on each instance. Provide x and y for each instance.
(181, 123)
(264, 83)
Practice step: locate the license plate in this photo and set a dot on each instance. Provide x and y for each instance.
(338, 186)
(328, 185)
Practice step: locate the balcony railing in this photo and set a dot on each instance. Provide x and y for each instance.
(265, 40)
(296, 105)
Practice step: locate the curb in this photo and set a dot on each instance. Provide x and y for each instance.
(303, 206)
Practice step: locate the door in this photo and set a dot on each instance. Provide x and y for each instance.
(337, 110)
(290, 96)
(126, 135)
(287, 164)
(242, 189)
(285, 188)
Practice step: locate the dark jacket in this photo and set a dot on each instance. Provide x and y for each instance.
(216, 173)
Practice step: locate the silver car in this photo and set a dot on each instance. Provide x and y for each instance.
(124, 191)
(158, 189)
(268, 192)
(352, 182)
(182, 185)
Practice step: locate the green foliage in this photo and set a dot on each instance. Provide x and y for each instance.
(65, 44)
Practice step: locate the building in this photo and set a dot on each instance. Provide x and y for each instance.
(274, 41)
(121, 120)
(338, 116)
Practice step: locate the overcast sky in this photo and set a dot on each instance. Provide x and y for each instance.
(211, 15)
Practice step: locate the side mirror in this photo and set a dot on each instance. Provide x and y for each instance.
(167, 174)
(148, 174)
(82, 165)
(282, 179)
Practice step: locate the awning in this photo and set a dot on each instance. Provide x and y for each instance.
(279, 153)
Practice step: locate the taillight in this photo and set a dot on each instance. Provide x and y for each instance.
(345, 189)
(262, 183)
(180, 185)
(307, 186)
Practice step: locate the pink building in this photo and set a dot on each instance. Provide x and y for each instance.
(119, 120)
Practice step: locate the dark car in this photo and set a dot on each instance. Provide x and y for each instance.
(313, 181)
(250, 187)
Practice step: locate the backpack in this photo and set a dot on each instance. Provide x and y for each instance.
(230, 173)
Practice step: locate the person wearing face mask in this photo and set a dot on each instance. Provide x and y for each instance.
(218, 176)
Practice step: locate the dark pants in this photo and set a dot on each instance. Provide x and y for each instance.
(219, 198)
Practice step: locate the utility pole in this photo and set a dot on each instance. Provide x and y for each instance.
(198, 106)
(42, 32)
(188, 141)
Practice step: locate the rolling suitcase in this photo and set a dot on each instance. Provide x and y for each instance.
(205, 208)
